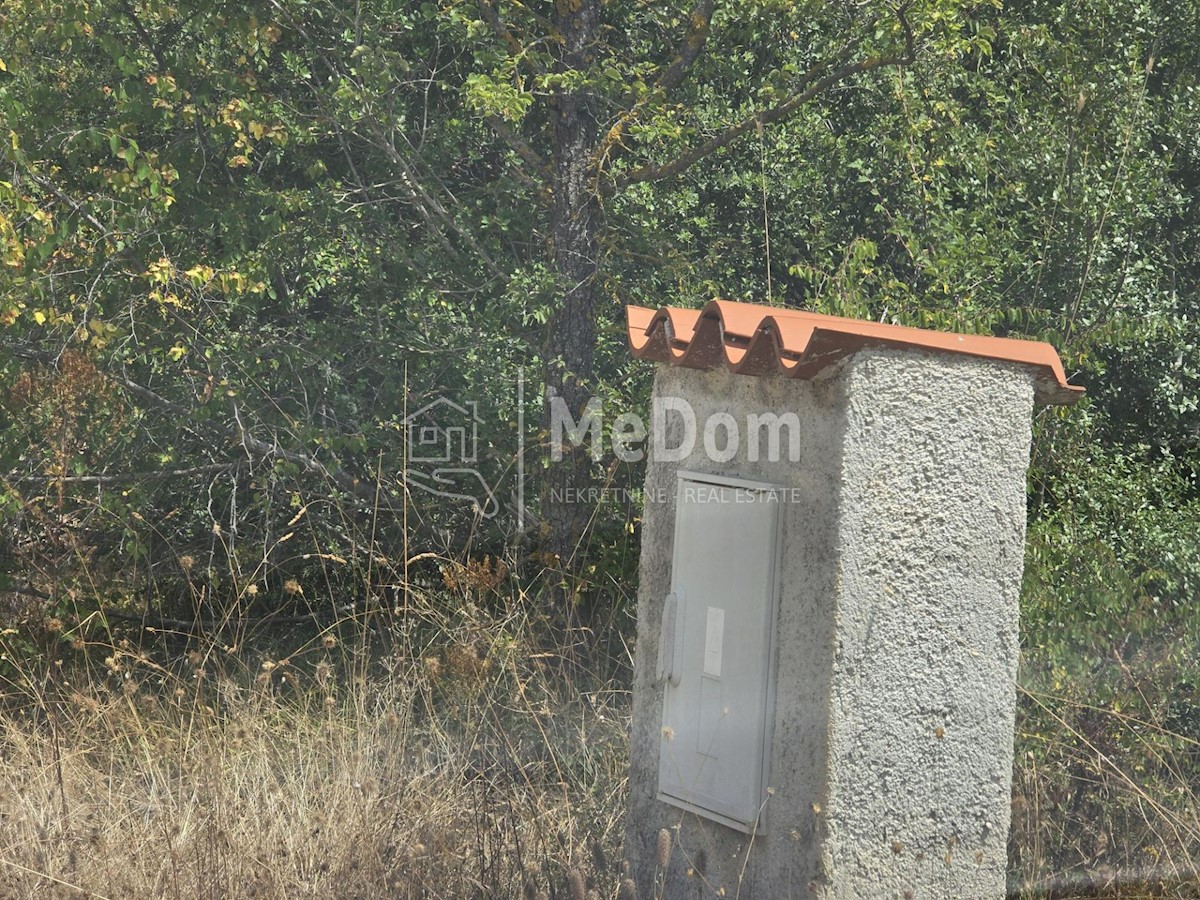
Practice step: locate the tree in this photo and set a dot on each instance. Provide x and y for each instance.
(252, 218)
(593, 82)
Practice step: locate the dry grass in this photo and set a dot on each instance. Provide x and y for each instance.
(1106, 785)
(456, 767)
(445, 753)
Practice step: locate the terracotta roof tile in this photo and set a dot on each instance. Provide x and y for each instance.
(765, 340)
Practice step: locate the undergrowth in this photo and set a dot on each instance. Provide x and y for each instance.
(445, 748)
(441, 753)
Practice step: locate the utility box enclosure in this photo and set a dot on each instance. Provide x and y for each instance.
(832, 546)
(719, 623)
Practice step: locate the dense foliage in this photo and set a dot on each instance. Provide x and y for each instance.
(257, 238)
(243, 242)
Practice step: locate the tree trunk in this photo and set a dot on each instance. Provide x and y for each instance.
(575, 221)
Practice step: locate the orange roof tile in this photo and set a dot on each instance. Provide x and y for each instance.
(765, 340)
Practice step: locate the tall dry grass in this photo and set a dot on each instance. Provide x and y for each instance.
(1106, 783)
(457, 761)
(442, 750)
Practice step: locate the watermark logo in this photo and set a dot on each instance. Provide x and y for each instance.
(673, 433)
(442, 440)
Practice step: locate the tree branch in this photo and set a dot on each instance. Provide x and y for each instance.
(154, 623)
(809, 86)
(499, 28)
(428, 206)
(27, 590)
(699, 21)
(411, 198)
(527, 154)
(120, 476)
(254, 446)
(520, 147)
(47, 184)
(131, 14)
(546, 24)
(433, 205)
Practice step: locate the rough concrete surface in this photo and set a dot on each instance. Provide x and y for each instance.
(896, 641)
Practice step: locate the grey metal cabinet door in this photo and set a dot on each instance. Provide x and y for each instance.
(721, 618)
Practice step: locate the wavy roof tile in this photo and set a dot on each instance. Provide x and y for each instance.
(749, 339)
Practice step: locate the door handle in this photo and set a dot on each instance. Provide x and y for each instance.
(670, 640)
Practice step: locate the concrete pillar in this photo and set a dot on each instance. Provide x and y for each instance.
(894, 652)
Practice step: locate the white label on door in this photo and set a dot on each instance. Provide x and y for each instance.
(714, 637)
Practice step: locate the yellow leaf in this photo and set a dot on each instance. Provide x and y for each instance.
(39, 316)
(199, 274)
(3, 65)
(177, 353)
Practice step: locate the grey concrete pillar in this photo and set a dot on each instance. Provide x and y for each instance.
(891, 652)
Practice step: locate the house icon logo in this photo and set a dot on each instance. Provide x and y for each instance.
(444, 432)
(441, 448)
